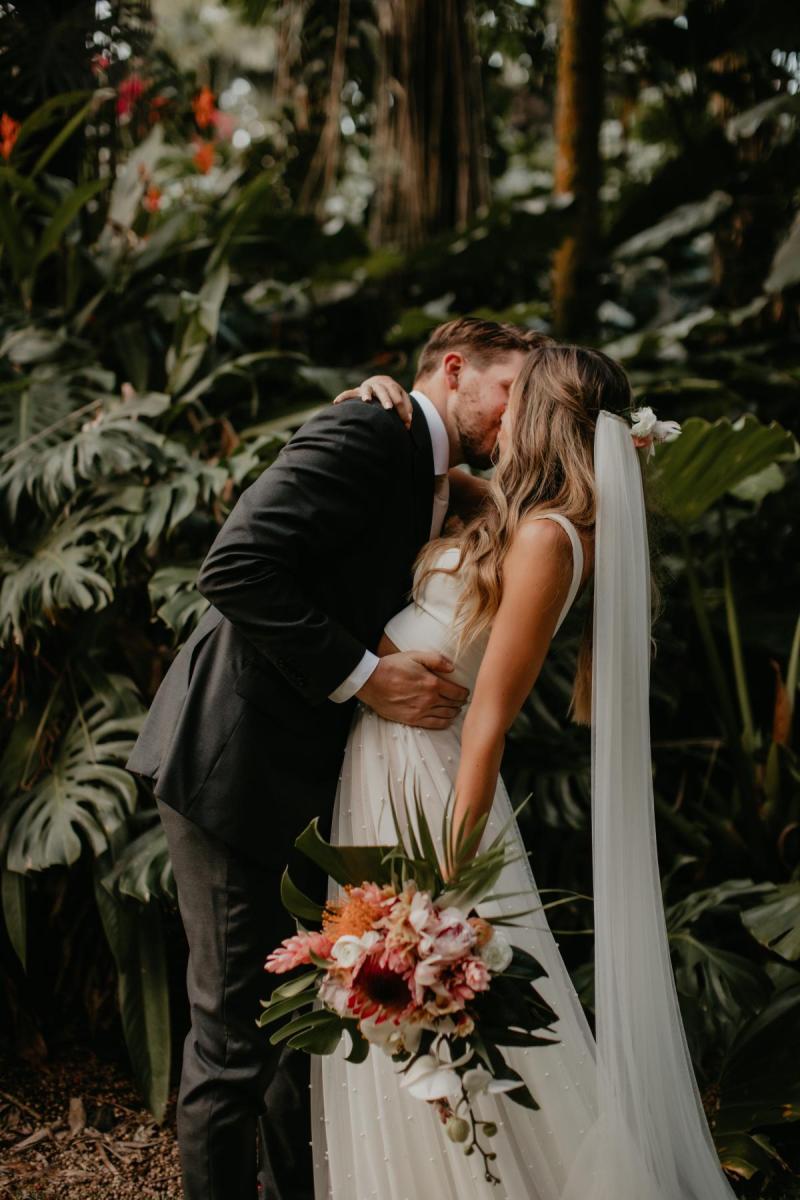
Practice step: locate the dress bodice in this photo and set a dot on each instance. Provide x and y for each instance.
(429, 622)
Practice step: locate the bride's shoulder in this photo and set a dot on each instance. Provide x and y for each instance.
(540, 533)
(538, 544)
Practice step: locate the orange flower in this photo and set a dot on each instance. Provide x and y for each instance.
(204, 157)
(152, 198)
(354, 916)
(9, 129)
(483, 930)
(204, 108)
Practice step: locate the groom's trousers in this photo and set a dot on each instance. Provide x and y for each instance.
(233, 1082)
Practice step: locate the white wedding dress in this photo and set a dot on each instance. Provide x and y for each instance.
(371, 1139)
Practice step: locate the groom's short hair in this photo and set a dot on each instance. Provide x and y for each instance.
(482, 341)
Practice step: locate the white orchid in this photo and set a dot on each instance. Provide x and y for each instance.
(647, 429)
(391, 1038)
(428, 1079)
(478, 1079)
(432, 1078)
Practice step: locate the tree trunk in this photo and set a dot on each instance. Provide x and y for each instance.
(430, 158)
(579, 110)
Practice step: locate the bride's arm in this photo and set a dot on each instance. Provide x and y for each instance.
(536, 577)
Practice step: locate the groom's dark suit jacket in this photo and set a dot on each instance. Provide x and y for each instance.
(311, 563)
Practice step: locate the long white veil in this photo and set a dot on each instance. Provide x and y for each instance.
(651, 1140)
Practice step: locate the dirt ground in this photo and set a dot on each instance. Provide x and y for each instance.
(75, 1129)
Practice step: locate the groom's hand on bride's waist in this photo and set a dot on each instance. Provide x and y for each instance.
(412, 687)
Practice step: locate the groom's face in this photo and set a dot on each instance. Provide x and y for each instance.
(480, 401)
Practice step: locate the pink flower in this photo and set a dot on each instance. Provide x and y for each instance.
(296, 951)
(476, 974)
(334, 992)
(450, 938)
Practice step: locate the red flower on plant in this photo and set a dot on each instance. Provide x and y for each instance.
(9, 131)
(128, 93)
(204, 157)
(157, 105)
(100, 64)
(204, 108)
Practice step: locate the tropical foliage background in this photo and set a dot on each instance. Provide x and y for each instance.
(215, 216)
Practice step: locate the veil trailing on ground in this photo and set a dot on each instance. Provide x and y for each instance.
(651, 1140)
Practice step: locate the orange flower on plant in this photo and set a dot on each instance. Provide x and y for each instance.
(152, 199)
(204, 108)
(9, 130)
(204, 157)
(356, 915)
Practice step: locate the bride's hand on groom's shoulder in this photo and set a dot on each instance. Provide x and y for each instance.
(386, 391)
(411, 688)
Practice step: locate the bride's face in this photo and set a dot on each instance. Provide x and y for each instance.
(505, 432)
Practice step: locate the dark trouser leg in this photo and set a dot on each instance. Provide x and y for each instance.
(231, 911)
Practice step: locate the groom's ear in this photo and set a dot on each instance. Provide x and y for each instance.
(452, 366)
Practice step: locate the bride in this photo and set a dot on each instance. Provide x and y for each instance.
(620, 1116)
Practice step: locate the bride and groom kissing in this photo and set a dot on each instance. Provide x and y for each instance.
(313, 686)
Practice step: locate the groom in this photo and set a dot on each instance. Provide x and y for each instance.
(244, 740)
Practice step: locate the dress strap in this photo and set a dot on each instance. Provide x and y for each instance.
(577, 557)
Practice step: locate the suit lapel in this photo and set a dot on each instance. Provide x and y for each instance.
(423, 473)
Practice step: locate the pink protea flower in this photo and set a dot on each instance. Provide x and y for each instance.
(376, 989)
(296, 951)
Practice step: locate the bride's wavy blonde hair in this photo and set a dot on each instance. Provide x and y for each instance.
(547, 466)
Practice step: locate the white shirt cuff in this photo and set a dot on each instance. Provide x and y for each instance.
(356, 679)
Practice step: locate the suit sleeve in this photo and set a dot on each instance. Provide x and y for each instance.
(319, 495)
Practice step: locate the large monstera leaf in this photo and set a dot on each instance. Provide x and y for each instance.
(176, 600)
(760, 1084)
(776, 922)
(709, 459)
(143, 870)
(87, 795)
(113, 442)
(70, 567)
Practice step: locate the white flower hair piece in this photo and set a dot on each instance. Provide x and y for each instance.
(646, 429)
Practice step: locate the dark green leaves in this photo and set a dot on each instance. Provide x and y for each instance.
(345, 864)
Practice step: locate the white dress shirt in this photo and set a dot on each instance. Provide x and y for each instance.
(441, 462)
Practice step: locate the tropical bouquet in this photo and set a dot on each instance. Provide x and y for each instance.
(400, 960)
